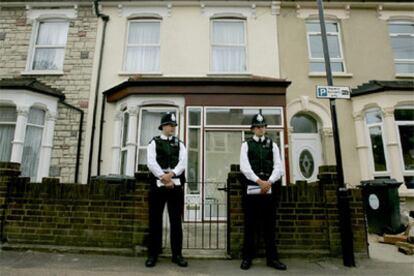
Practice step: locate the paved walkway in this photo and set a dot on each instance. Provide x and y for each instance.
(43, 264)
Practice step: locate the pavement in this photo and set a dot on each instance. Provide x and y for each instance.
(384, 260)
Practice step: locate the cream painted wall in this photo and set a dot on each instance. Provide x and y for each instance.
(368, 56)
(185, 52)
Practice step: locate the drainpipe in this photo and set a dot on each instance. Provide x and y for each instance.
(105, 19)
(101, 125)
(79, 137)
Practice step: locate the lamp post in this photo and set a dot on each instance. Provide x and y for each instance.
(343, 199)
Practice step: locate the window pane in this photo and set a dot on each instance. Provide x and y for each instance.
(6, 138)
(403, 47)
(373, 117)
(229, 33)
(313, 27)
(8, 114)
(377, 149)
(123, 162)
(149, 124)
(193, 160)
(303, 123)
(239, 116)
(401, 28)
(407, 145)
(409, 182)
(144, 33)
(229, 59)
(36, 117)
(404, 68)
(316, 46)
(320, 67)
(194, 115)
(143, 59)
(333, 45)
(125, 129)
(52, 33)
(31, 151)
(404, 114)
(48, 59)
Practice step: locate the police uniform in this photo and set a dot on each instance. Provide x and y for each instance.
(166, 154)
(259, 159)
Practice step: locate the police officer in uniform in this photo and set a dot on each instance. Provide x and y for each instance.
(261, 167)
(166, 159)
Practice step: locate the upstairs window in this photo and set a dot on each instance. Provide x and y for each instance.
(402, 43)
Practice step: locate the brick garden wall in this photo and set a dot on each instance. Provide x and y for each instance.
(104, 213)
(307, 222)
(112, 215)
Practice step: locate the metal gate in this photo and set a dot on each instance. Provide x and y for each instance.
(205, 231)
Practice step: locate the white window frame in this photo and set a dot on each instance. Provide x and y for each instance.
(33, 47)
(391, 35)
(10, 123)
(384, 143)
(243, 107)
(141, 109)
(201, 155)
(337, 34)
(41, 140)
(242, 20)
(126, 45)
(122, 147)
(403, 123)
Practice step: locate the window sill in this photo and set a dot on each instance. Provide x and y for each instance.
(335, 75)
(124, 73)
(404, 76)
(55, 73)
(229, 74)
(407, 193)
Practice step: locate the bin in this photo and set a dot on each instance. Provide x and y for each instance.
(382, 205)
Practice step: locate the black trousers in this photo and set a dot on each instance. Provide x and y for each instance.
(174, 198)
(259, 218)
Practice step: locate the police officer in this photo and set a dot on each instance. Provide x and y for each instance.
(261, 167)
(166, 159)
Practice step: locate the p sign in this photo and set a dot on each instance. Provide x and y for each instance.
(333, 92)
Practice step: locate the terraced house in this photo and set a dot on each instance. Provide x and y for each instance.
(84, 83)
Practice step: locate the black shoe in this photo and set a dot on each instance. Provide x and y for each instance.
(277, 264)
(246, 264)
(179, 260)
(151, 261)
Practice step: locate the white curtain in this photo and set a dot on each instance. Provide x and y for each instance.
(229, 51)
(50, 34)
(32, 143)
(143, 51)
(8, 117)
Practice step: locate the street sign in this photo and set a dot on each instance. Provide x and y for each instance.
(333, 92)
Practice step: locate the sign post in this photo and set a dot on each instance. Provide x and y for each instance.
(342, 192)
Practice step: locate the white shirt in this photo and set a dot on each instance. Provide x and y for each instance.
(153, 165)
(246, 168)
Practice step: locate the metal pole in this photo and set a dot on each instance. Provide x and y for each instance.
(343, 199)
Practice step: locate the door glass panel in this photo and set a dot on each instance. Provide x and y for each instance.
(193, 160)
(306, 163)
(222, 150)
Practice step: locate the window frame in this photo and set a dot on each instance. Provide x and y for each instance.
(152, 107)
(126, 45)
(33, 46)
(206, 108)
(212, 45)
(122, 147)
(338, 34)
(397, 124)
(384, 143)
(10, 123)
(391, 35)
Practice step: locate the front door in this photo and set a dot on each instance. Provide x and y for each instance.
(307, 156)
